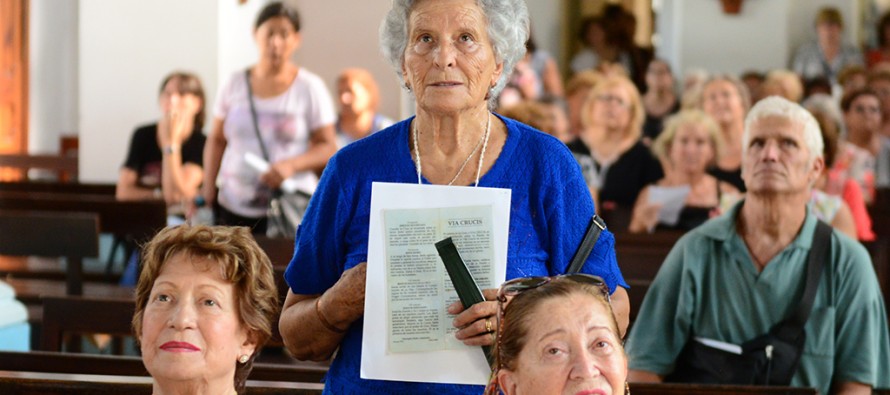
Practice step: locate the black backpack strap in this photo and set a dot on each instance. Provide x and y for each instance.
(594, 228)
(820, 253)
(253, 117)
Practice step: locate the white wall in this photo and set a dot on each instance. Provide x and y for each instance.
(126, 47)
(338, 34)
(546, 17)
(236, 48)
(52, 74)
(764, 36)
(704, 37)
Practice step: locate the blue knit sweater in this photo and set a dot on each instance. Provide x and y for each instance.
(550, 210)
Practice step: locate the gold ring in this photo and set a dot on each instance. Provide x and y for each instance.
(488, 326)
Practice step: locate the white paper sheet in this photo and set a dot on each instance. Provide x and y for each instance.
(672, 200)
(463, 366)
(289, 185)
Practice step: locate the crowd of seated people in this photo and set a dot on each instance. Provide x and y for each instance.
(753, 170)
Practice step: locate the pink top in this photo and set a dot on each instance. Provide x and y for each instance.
(852, 194)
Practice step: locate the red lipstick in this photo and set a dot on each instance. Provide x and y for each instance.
(591, 392)
(179, 347)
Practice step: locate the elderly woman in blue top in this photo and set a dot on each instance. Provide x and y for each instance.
(454, 56)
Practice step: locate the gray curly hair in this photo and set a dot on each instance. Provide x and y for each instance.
(508, 29)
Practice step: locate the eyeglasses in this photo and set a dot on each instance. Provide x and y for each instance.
(517, 286)
(866, 109)
(612, 99)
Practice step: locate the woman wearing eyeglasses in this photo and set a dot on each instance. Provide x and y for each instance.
(557, 335)
(857, 153)
(615, 164)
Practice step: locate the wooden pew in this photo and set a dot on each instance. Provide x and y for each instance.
(880, 248)
(141, 219)
(60, 187)
(65, 166)
(30, 383)
(708, 389)
(65, 316)
(117, 365)
(71, 235)
(279, 249)
(639, 257)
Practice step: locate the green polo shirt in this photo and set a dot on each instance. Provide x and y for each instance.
(708, 287)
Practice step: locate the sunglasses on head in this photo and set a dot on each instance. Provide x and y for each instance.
(517, 286)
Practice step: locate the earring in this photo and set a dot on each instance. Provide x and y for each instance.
(490, 92)
(244, 358)
(408, 87)
(626, 388)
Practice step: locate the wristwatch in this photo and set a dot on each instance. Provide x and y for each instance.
(170, 149)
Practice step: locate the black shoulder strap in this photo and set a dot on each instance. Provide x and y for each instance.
(256, 126)
(596, 226)
(820, 253)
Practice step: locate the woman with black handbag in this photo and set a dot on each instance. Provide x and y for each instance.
(273, 123)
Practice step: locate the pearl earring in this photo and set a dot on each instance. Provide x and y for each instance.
(244, 358)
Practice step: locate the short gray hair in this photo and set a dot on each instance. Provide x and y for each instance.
(508, 30)
(775, 106)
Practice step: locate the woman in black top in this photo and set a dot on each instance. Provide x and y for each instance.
(615, 164)
(660, 99)
(688, 145)
(165, 158)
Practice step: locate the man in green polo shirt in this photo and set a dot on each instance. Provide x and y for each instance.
(738, 275)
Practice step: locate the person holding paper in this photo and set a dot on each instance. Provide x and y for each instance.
(687, 147)
(454, 56)
(287, 106)
(544, 324)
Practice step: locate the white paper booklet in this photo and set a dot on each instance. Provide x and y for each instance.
(672, 200)
(408, 334)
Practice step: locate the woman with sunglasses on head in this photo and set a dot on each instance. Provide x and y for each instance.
(557, 335)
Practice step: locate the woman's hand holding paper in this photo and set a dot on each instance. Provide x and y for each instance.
(477, 324)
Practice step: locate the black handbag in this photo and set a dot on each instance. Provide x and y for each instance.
(285, 210)
(768, 359)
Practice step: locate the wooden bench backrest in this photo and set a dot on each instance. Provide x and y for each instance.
(77, 315)
(880, 248)
(639, 257)
(140, 219)
(60, 187)
(118, 365)
(72, 235)
(26, 383)
(702, 389)
(65, 166)
(49, 234)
